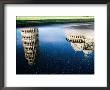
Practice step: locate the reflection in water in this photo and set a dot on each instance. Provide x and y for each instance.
(30, 43)
(77, 46)
(81, 40)
(55, 55)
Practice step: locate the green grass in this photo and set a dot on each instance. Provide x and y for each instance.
(41, 20)
(52, 17)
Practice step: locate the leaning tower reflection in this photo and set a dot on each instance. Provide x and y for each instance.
(30, 43)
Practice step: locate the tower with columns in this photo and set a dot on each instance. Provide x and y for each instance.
(30, 43)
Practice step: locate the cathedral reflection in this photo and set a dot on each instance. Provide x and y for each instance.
(30, 43)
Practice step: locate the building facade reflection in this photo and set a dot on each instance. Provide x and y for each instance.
(30, 42)
(80, 41)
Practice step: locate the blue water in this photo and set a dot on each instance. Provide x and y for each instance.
(56, 56)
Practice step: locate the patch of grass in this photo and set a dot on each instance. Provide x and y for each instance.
(52, 17)
(23, 22)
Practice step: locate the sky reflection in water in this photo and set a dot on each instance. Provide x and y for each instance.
(56, 56)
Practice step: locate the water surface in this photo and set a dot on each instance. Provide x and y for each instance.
(56, 55)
